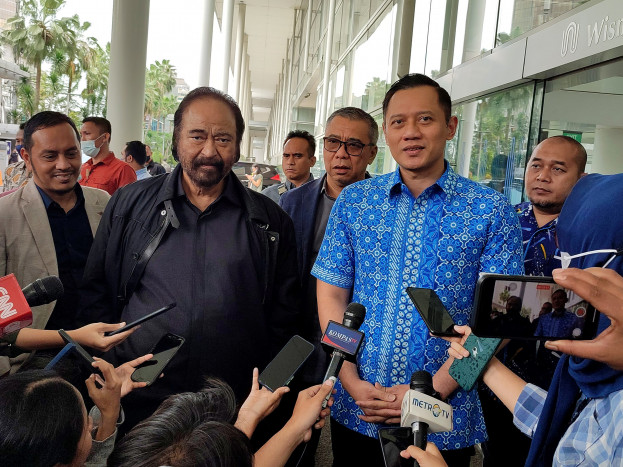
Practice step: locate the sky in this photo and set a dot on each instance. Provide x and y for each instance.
(174, 32)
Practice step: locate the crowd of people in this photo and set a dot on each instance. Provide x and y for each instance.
(248, 269)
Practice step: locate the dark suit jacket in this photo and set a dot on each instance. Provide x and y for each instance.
(301, 205)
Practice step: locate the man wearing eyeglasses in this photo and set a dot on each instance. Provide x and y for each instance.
(299, 149)
(420, 226)
(349, 147)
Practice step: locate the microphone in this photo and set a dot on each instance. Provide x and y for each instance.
(43, 291)
(15, 313)
(422, 412)
(343, 340)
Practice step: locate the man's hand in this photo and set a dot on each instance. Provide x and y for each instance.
(377, 403)
(603, 288)
(429, 458)
(124, 373)
(258, 405)
(92, 335)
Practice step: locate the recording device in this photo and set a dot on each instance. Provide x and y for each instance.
(423, 412)
(15, 313)
(43, 291)
(393, 442)
(282, 368)
(530, 307)
(467, 370)
(141, 320)
(84, 355)
(433, 313)
(343, 340)
(164, 350)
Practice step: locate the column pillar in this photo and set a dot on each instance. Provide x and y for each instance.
(242, 8)
(607, 157)
(449, 34)
(126, 82)
(403, 37)
(327, 63)
(228, 21)
(473, 29)
(243, 74)
(308, 19)
(205, 59)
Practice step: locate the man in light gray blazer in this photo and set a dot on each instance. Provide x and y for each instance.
(47, 227)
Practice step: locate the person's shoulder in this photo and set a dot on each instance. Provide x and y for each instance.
(95, 193)
(465, 186)
(303, 191)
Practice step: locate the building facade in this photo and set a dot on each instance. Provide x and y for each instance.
(518, 71)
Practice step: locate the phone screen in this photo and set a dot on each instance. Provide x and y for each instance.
(163, 352)
(281, 369)
(393, 441)
(529, 307)
(431, 309)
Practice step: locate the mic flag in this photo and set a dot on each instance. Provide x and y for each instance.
(15, 313)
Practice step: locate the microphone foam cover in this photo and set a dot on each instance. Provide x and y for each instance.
(354, 315)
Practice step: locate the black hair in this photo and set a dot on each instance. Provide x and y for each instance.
(45, 119)
(415, 80)
(137, 150)
(101, 123)
(22, 125)
(200, 93)
(355, 113)
(307, 136)
(41, 419)
(188, 429)
(562, 291)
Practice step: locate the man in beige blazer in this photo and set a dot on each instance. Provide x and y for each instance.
(43, 217)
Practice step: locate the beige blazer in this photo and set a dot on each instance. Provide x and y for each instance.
(26, 244)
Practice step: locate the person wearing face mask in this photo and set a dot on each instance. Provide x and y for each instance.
(16, 174)
(103, 170)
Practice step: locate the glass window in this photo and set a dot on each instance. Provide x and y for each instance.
(519, 16)
(372, 63)
(492, 139)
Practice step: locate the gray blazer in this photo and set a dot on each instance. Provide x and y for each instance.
(27, 248)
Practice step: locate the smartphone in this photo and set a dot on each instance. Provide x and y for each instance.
(84, 355)
(164, 351)
(467, 370)
(141, 320)
(431, 309)
(282, 368)
(530, 307)
(393, 441)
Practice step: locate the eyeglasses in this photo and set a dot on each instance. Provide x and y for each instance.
(353, 148)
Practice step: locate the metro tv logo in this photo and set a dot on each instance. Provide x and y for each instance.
(435, 409)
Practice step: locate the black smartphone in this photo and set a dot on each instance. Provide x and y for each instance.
(164, 351)
(141, 320)
(393, 441)
(282, 368)
(84, 355)
(530, 307)
(431, 309)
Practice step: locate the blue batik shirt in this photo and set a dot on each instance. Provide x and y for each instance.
(380, 240)
(539, 243)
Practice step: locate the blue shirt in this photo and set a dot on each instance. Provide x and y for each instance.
(557, 326)
(539, 243)
(142, 174)
(595, 438)
(380, 240)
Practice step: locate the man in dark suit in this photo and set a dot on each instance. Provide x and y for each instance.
(349, 147)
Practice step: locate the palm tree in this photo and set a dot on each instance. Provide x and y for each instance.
(159, 81)
(94, 94)
(36, 33)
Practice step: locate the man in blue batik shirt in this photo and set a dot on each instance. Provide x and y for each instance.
(421, 226)
(555, 166)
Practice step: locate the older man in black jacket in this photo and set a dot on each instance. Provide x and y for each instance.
(197, 237)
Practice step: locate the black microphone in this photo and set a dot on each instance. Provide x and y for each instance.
(343, 340)
(43, 291)
(422, 410)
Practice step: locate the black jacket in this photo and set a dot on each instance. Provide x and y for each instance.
(131, 229)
